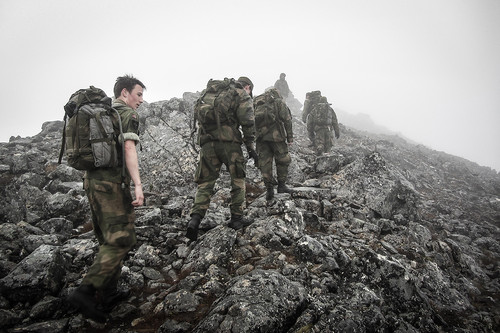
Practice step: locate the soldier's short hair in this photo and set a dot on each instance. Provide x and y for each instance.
(128, 82)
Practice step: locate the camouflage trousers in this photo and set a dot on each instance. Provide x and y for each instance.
(267, 151)
(113, 219)
(323, 139)
(212, 155)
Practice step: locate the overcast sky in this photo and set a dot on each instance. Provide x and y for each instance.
(429, 69)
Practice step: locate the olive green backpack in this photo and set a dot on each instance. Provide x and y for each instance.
(264, 108)
(213, 108)
(89, 136)
(321, 114)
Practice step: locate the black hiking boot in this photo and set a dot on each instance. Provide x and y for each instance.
(83, 298)
(192, 228)
(282, 188)
(238, 221)
(270, 192)
(111, 296)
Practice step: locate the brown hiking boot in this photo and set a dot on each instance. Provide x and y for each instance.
(83, 298)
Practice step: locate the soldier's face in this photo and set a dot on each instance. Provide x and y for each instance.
(133, 98)
(248, 89)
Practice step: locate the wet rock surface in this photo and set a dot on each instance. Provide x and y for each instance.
(378, 236)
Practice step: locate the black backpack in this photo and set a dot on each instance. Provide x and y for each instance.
(89, 137)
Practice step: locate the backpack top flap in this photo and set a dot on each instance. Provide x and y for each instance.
(86, 96)
(217, 86)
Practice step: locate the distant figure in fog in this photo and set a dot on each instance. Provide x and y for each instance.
(282, 86)
(321, 122)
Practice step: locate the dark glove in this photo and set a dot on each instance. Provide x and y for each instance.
(253, 154)
(337, 135)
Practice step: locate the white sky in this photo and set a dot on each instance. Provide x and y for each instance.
(429, 69)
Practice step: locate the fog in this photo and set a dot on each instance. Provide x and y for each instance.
(427, 69)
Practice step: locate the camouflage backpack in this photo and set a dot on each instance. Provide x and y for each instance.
(321, 114)
(213, 107)
(267, 113)
(89, 137)
(264, 108)
(312, 98)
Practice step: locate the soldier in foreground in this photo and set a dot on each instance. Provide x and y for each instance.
(273, 123)
(112, 208)
(223, 108)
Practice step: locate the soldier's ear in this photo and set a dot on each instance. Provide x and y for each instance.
(124, 93)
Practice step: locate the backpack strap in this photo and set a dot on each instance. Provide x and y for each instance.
(195, 118)
(123, 145)
(63, 141)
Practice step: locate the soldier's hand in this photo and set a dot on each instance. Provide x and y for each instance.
(139, 196)
(253, 154)
(337, 135)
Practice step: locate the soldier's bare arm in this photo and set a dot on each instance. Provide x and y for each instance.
(132, 163)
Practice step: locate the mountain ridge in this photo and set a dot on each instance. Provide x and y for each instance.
(378, 235)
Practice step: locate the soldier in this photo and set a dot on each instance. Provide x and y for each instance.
(273, 123)
(112, 209)
(321, 121)
(312, 98)
(282, 86)
(222, 109)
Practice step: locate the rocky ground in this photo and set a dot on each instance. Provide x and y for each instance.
(378, 236)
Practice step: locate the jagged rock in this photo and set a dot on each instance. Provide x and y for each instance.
(32, 179)
(55, 326)
(32, 242)
(214, 247)
(72, 188)
(329, 163)
(64, 173)
(46, 308)
(63, 205)
(260, 301)
(57, 225)
(151, 218)
(146, 256)
(39, 274)
(181, 302)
